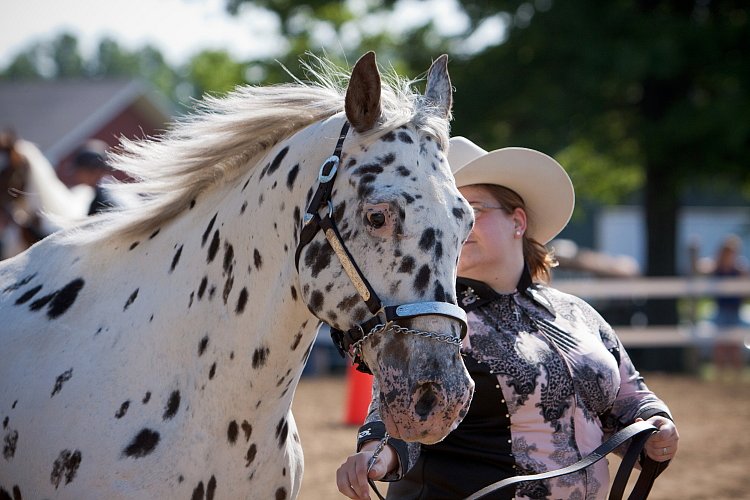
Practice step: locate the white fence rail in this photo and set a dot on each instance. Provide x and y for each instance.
(639, 289)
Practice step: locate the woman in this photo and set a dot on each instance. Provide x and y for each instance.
(552, 379)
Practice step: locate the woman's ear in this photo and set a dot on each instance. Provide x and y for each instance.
(519, 221)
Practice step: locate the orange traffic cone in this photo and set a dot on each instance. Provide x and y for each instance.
(359, 393)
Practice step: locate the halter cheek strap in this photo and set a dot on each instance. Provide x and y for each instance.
(351, 341)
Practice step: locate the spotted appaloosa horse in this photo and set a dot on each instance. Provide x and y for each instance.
(34, 202)
(154, 353)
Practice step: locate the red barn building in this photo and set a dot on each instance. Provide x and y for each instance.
(58, 116)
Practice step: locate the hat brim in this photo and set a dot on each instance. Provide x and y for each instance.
(543, 184)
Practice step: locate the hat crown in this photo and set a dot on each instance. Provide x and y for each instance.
(461, 152)
(537, 178)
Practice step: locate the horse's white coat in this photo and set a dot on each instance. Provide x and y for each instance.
(163, 364)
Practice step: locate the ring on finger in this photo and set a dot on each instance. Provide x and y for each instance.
(664, 450)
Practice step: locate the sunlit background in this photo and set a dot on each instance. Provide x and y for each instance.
(645, 103)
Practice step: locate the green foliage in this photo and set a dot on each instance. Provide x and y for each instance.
(215, 72)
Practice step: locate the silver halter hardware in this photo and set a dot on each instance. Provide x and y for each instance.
(383, 316)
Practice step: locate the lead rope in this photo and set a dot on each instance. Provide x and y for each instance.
(639, 432)
(371, 463)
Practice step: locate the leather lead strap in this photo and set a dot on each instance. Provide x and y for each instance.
(639, 432)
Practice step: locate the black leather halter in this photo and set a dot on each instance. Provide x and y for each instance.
(382, 316)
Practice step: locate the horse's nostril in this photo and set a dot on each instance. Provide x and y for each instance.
(426, 402)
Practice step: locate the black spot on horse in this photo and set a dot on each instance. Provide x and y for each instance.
(409, 198)
(243, 208)
(4, 495)
(257, 259)
(65, 467)
(316, 301)
(247, 429)
(213, 247)
(212, 372)
(192, 204)
(228, 257)
(318, 257)
(153, 235)
(5, 422)
(403, 171)
(260, 356)
(348, 302)
(228, 284)
(232, 432)
(422, 278)
(439, 292)
(282, 431)
(146, 398)
(142, 444)
(198, 492)
(293, 291)
(173, 404)
(133, 245)
(202, 287)
(277, 161)
(458, 213)
(407, 265)
(18, 284)
(297, 217)
(246, 183)
(61, 379)
(202, 345)
(405, 137)
(241, 301)
(427, 240)
(250, 455)
(131, 299)
(123, 409)
(204, 238)
(370, 168)
(290, 178)
(61, 299)
(295, 342)
(281, 493)
(176, 258)
(365, 189)
(10, 440)
(388, 137)
(211, 488)
(438, 250)
(28, 295)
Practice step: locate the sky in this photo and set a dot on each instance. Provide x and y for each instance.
(182, 28)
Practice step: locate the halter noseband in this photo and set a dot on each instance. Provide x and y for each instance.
(383, 316)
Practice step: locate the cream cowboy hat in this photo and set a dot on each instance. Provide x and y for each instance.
(542, 183)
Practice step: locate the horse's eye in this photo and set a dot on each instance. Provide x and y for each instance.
(376, 219)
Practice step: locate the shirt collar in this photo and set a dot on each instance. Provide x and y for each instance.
(473, 294)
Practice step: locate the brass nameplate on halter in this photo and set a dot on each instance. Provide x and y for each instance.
(348, 265)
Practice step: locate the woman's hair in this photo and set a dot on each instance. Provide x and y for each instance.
(538, 258)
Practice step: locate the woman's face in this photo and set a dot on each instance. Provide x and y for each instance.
(493, 245)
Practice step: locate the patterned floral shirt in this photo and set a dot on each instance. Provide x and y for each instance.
(564, 382)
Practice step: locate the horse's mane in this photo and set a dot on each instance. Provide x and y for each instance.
(217, 143)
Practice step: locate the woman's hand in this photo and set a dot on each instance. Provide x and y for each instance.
(351, 477)
(662, 445)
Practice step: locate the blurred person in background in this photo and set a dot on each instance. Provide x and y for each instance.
(90, 167)
(728, 354)
(552, 380)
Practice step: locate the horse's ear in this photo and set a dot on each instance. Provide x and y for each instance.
(439, 92)
(362, 103)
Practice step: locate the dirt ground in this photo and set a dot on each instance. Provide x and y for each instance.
(713, 460)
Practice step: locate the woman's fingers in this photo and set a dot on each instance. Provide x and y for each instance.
(351, 477)
(662, 445)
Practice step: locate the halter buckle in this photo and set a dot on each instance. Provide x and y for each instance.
(333, 165)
